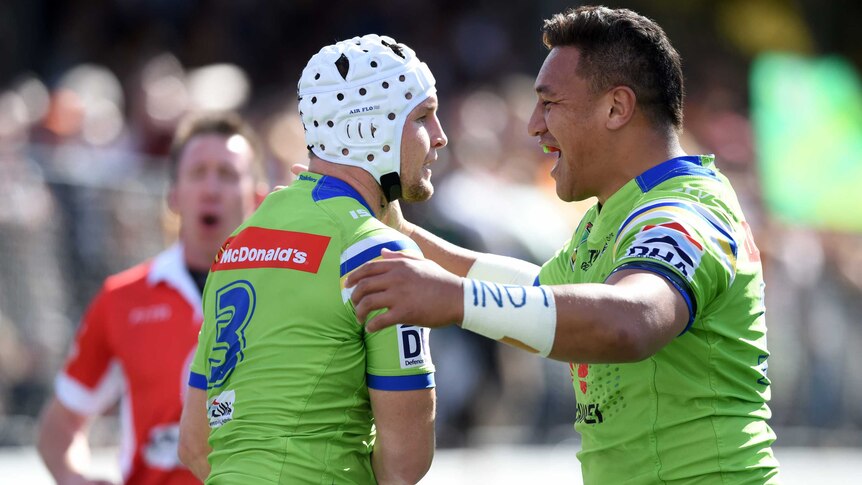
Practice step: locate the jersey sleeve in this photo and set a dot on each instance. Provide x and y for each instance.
(398, 358)
(91, 380)
(687, 243)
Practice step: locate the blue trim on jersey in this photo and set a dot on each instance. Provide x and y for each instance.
(328, 187)
(198, 381)
(680, 284)
(687, 207)
(371, 253)
(651, 207)
(536, 282)
(675, 167)
(401, 383)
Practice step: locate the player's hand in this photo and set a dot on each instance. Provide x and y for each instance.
(295, 169)
(298, 168)
(416, 291)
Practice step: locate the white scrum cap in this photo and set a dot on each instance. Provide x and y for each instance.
(354, 97)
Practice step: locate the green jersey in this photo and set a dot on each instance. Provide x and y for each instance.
(696, 410)
(284, 361)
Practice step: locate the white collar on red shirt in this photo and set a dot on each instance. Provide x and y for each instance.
(169, 267)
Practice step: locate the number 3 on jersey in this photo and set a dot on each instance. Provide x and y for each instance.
(235, 304)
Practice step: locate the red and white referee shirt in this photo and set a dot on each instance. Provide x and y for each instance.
(136, 342)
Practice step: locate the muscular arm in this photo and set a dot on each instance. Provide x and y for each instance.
(194, 434)
(405, 435)
(627, 319)
(452, 258)
(62, 444)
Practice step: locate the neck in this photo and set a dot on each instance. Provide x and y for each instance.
(196, 260)
(362, 181)
(636, 154)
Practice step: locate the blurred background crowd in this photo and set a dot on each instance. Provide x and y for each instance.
(91, 91)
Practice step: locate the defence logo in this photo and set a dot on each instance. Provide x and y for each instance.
(257, 247)
(412, 346)
(220, 408)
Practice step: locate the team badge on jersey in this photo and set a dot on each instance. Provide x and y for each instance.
(413, 346)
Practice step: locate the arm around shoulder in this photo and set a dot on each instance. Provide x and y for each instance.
(404, 446)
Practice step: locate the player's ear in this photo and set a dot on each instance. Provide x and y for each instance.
(622, 101)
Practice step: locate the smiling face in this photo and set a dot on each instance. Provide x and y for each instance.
(213, 192)
(422, 136)
(569, 119)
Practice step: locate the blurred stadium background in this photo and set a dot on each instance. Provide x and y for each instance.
(91, 90)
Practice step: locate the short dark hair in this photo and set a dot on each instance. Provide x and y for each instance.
(619, 47)
(225, 124)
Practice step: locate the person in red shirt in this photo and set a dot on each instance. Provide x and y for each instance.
(138, 336)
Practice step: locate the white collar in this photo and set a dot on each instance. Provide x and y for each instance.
(169, 267)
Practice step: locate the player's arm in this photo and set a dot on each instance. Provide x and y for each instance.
(404, 446)
(462, 261)
(87, 385)
(194, 447)
(62, 444)
(630, 317)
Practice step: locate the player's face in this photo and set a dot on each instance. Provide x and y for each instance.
(422, 137)
(213, 192)
(567, 119)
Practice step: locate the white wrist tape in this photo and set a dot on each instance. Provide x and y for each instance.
(502, 269)
(523, 316)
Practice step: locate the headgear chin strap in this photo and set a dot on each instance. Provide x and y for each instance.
(354, 97)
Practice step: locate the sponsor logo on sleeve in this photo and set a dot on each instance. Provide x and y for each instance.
(220, 408)
(413, 346)
(257, 247)
(670, 243)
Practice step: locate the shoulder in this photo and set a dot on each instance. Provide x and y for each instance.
(369, 240)
(374, 234)
(130, 279)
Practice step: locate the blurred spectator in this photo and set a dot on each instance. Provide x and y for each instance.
(32, 299)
